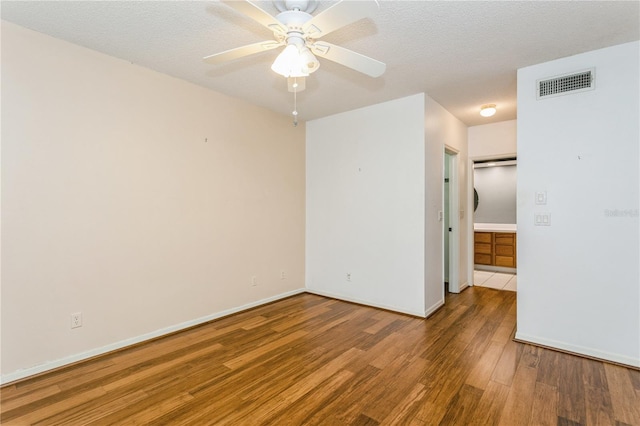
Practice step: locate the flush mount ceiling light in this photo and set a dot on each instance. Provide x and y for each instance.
(488, 110)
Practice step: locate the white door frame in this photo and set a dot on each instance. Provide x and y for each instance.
(451, 155)
(470, 222)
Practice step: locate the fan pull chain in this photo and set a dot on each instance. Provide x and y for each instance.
(295, 102)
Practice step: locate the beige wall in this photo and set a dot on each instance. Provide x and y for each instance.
(145, 202)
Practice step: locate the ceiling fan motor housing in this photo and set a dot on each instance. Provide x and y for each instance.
(293, 20)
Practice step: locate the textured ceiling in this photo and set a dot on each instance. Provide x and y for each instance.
(463, 54)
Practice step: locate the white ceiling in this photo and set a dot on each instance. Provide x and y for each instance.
(463, 54)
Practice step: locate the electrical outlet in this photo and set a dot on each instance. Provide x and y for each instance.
(254, 281)
(76, 320)
(283, 275)
(348, 276)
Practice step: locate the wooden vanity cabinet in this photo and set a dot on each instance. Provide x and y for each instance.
(495, 249)
(504, 247)
(483, 248)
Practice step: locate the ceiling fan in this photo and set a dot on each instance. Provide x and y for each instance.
(295, 28)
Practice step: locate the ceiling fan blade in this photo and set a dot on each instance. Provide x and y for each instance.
(337, 16)
(239, 52)
(257, 14)
(349, 58)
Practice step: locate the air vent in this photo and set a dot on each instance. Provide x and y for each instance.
(566, 84)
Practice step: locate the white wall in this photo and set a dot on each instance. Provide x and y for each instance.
(114, 205)
(374, 189)
(578, 279)
(365, 205)
(497, 194)
(491, 141)
(443, 129)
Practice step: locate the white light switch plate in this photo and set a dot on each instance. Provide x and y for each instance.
(541, 197)
(542, 219)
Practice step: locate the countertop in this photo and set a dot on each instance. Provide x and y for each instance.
(494, 227)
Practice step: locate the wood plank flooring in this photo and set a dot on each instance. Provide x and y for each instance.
(310, 360)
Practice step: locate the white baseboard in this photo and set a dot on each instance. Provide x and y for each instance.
(366, 302)
(490, 268)
(50, 365)
(579, 350)
(462, 287)
(433, 308)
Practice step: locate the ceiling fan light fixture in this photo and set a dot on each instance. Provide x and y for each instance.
(289, 63)
(309, 61)
(488, 110)
(295, 25)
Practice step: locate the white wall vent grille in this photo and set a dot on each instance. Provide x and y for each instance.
(566, 84)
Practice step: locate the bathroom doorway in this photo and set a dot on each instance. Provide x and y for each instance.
(495, 229)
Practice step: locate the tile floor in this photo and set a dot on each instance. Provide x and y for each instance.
(497, 280)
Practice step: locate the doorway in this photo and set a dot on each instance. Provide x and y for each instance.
(451, 222)
(494, 221)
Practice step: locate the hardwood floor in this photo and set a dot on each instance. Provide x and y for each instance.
(312, 360)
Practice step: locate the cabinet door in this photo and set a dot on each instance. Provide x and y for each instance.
(484, 237)
(482, 259)
(503, 250)
(504, 238)
(507, 261)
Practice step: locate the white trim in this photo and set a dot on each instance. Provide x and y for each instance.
(433, 308)
(450, 155)
(464, 285)
(470, 223)
(50, 365)
(366, 303)
(563, 346)
(497, 164)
